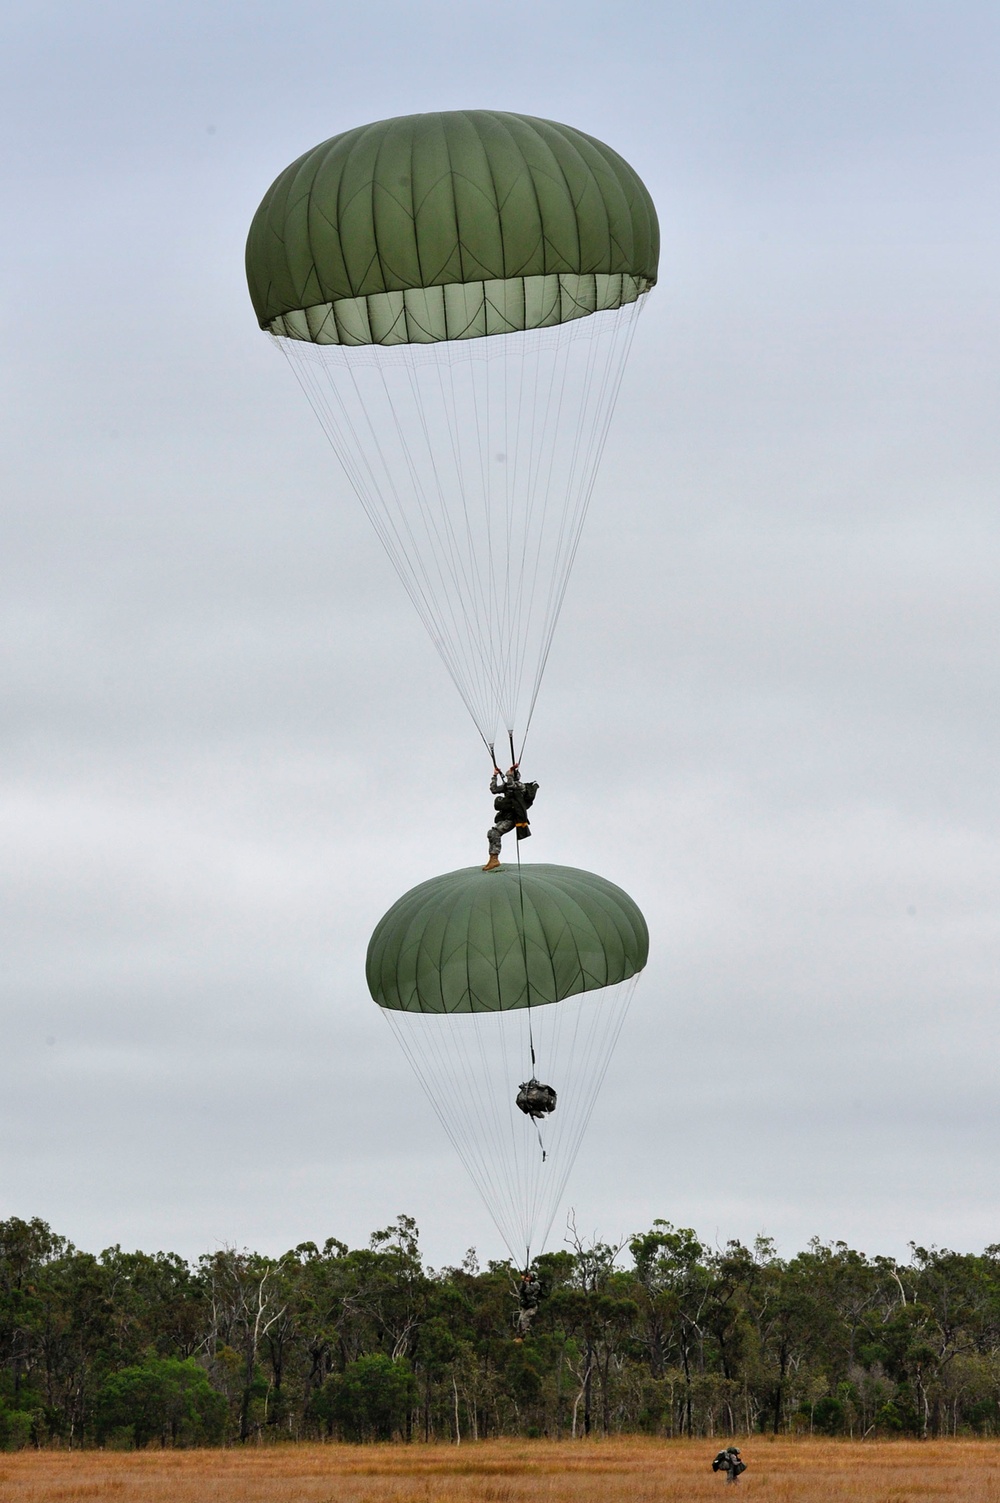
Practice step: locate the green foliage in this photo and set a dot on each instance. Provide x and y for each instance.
(369, 1399)
(667, 1338)
(828, 1416)
(162, 1399)
(16, 1428)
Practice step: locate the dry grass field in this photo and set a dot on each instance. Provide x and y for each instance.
(614, 1471)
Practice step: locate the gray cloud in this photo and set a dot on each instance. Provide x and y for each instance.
(226, 749)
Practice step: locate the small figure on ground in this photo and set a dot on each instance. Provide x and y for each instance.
(729, 1461)
(528, 1296)
(512, 801)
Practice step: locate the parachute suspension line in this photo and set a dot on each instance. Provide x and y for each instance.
(524, 416)
(524, 951)
(545, 486)
(541, 492)
(394, 532)
(477, 1136)
(475, 461)
(497, 603)
(462, 586)
(589, 1058)
(466, 575)
(516, 560)
(465, 1063)
(484, 588)
(527, 987)
(611, 380)
(457, 1059)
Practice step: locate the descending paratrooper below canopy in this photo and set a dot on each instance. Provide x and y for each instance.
(477, 974)
(456, 293)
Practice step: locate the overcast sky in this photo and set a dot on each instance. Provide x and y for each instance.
(771, 710)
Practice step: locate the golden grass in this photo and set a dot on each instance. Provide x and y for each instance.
(612, 1471)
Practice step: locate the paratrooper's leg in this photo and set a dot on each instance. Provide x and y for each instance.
(494, 835)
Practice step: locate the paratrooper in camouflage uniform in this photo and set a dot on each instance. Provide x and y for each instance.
(512, 802)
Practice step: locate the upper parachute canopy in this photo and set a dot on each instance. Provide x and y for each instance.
(449, 226)
(460, 943)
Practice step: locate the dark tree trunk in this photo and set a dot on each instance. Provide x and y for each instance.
(688, 1408)
(587, 1386)
(779, 1391)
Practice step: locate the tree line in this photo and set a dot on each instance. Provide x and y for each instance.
(661, 1335)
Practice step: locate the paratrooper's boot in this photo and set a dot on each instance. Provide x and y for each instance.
(493, 864)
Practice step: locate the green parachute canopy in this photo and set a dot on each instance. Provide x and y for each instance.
(449, 226)
(475, 942)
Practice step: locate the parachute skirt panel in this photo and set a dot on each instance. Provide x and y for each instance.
(447, 967)
(469, 310)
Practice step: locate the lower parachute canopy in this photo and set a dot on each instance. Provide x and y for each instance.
(488, 979)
